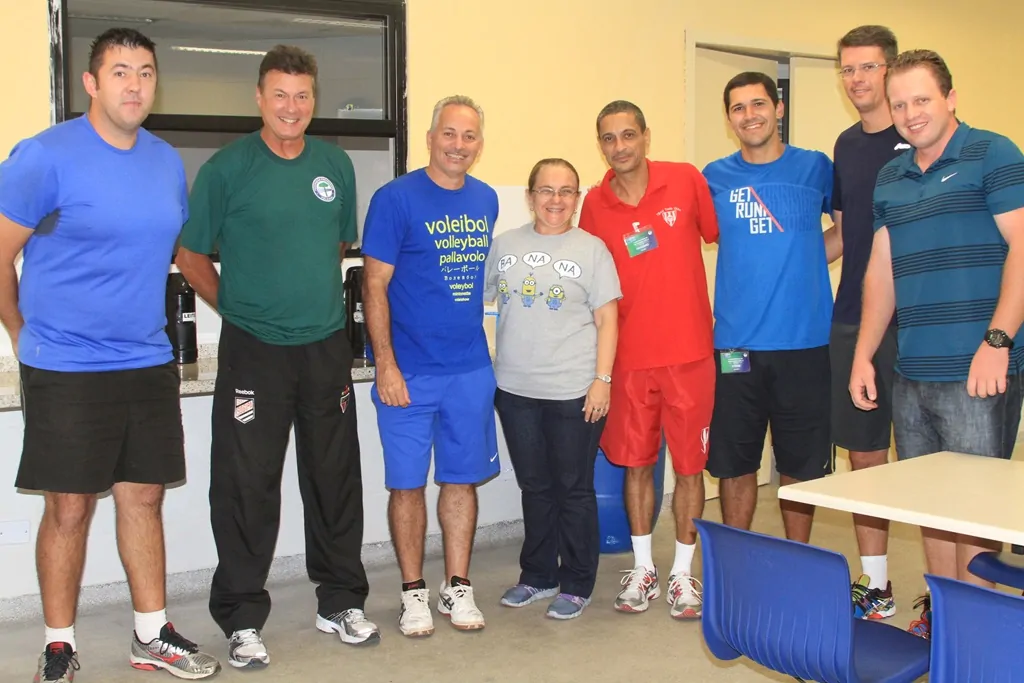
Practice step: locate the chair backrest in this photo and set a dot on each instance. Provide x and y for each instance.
(977, 633)
(783, 604)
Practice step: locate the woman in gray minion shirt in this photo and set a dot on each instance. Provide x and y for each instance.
(557, 293)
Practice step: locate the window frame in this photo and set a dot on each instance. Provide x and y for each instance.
(390, 12)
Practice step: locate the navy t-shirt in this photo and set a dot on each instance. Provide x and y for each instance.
(772, 288)
(94, 280)
(858, 157)
(438, 241)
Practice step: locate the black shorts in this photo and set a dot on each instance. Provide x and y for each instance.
(788, 389)
(86, 431)
(854, 429)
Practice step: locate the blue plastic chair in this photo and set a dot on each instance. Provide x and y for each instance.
(977, 634)
(787, 606)
(1003, 568)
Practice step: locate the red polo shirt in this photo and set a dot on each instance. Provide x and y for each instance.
(664, 315)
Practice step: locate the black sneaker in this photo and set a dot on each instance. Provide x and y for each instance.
(58, 663)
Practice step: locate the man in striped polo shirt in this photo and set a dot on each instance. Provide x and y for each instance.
(948, 257)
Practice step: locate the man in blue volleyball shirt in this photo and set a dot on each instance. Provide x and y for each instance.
(426, 239)
(773, 307)
(948, 259)
(97, 204)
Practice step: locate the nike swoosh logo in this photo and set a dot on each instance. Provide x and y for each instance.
(901, 145)
(495, 457)
(947, 177)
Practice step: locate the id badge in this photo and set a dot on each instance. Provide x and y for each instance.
(640, 242)
(733, 362)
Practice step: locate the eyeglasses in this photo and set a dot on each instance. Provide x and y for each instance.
(549, 192)
(868, 69)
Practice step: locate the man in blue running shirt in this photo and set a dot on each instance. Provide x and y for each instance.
(773, 307)
(96, 204)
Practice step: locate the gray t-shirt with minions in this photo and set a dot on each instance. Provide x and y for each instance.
(547, 288)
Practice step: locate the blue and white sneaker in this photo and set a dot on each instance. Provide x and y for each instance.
(567, 606)
(522, 595)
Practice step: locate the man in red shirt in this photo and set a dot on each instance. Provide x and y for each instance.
(652, 215)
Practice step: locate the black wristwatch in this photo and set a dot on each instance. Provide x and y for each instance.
(998, 339)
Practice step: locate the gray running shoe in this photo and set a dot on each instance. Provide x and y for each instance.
(352, 627)
(641, 586)
(57, 664)
(522, 595)
(567, 606)
(247, 651)
(173, 653)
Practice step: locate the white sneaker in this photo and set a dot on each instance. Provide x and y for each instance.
(684, 594)
(415, 619)
(247, 651)
(456, 602)
(641, 586)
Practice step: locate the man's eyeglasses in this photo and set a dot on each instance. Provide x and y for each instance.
(868, 69)
(549, 192)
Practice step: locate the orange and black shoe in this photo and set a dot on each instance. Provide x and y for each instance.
(922, 627)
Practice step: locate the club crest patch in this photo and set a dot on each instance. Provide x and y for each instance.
(346, 396)
(245, 409)
(323, 188)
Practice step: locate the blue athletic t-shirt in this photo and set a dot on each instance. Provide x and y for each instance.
(772, 289)
(94, 277)
(438, 241)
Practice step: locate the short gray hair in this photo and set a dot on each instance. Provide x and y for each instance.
(460, 100)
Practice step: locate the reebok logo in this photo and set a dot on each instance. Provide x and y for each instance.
(245, 392)
(947, 177)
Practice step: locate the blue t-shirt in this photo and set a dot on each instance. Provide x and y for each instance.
(94, 279)
(438, 241)
(772, 289)
(947, 252)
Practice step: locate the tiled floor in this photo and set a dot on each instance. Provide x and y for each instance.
(517, 645)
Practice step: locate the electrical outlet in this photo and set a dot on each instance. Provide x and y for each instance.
(14, 532)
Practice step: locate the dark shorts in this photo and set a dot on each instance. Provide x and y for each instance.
(857, 430)
(791, 391)
(929, 417)
(86, 431)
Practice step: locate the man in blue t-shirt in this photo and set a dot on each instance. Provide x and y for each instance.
(860, 153)
(426, 239)
(773, 307)
(96, 203)
(948, 259)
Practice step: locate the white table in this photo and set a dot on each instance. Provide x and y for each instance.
(966, 494)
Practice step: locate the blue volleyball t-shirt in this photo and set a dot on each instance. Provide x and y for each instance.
(438, 241)
(772, 287)
(94, 279)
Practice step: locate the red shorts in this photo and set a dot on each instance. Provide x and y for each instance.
(678, 399)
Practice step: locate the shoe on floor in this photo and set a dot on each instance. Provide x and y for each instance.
(641, 586)
(922, 627)
(415, 619)
(57, 664)
(457, 603)
(522, 595)
(567, 606)
(247, 651)
(352, 627)
(173, 653)
(685, 597)
(872, 603)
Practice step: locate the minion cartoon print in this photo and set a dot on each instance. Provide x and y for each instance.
(503, 291)
(529, 293)
(556, 297)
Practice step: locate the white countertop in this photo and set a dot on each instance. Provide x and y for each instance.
(967, 494)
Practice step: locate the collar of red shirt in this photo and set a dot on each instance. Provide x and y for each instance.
(657, 178)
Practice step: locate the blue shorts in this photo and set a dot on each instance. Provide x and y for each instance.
(454, 414)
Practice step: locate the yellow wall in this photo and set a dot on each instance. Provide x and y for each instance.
(542, 69)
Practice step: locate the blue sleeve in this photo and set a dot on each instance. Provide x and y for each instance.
(1003, 169)
(384, 230)
(28, 184)
(184, 192)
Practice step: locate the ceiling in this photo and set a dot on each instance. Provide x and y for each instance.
(161, 19)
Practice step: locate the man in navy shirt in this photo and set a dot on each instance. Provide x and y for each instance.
(948, 259)
(860, 152)
(96, 203)
(426, 239)
(773, 306)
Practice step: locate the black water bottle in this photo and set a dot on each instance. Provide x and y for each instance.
(181, 319)
(355, 324)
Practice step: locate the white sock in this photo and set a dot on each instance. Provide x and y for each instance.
(877, 569)
(684, 558)
(642, 551)
(148, 625)
(61, 635)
